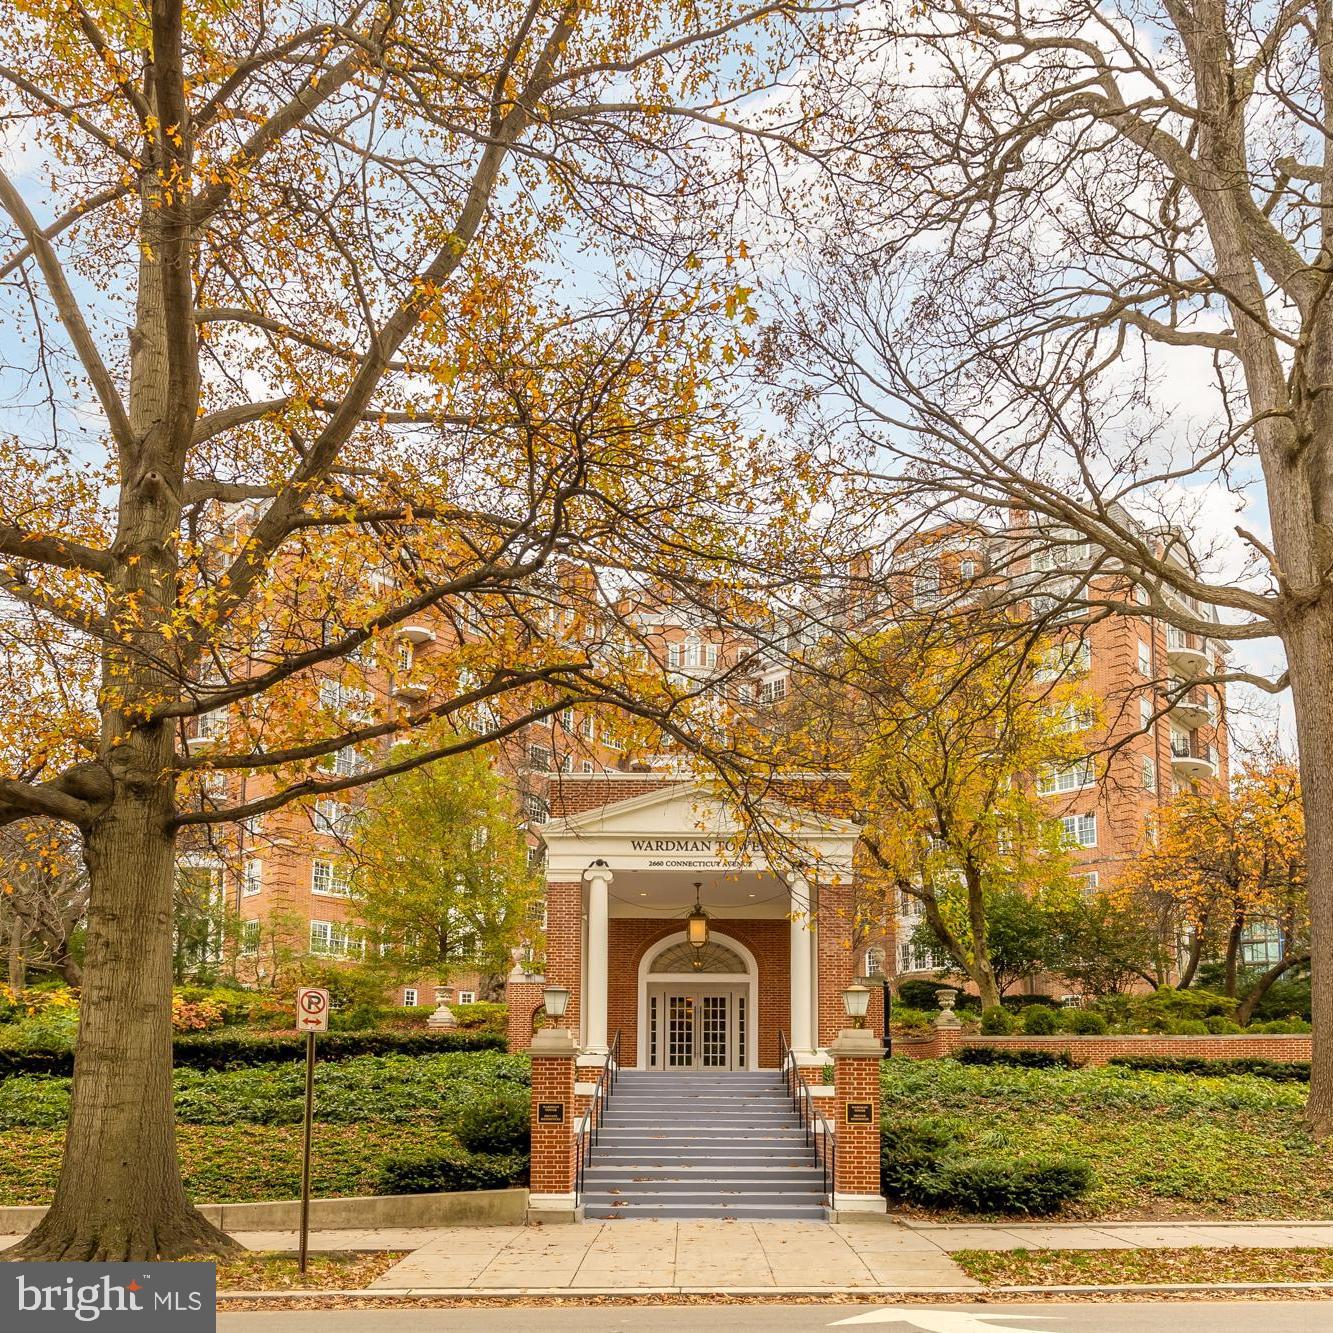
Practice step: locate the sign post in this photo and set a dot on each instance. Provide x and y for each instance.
(312, 1015)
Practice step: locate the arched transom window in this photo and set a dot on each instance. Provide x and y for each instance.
(713, 958)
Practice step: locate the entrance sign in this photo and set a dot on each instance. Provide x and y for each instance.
(312, 1009)
(860, 1113)
(550, 1113)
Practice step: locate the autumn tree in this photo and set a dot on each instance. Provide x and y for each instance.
(1222, 861)
(43, 898)
(943, 765)
(1085, 297)
(340, 314)
(440, 874)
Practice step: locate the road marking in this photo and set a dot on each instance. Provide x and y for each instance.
(944, 1321)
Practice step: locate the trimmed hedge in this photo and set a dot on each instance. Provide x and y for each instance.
(1280, 1071)
(925, 1162)
(498, 1124)
(240, 1050)
(997, 1185)
(997, 1055)
(429, 1170)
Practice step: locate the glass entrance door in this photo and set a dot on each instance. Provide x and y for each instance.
(696, 1028)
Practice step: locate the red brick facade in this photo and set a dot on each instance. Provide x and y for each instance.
(1098, 1050)
(632, 937)
(564, 944)
(836, 962)
(856, 1163)
(553, 1145)
(523, 999)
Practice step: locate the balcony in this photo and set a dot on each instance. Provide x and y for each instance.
(1192, 707)
(410, 688)
(1191, 759)
(1185, 652)
(416, 633)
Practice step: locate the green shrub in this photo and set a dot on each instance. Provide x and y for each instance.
(1279, 1071)
(482, 1016)
(1220, 1026)
(918, 994)
(999, 1185)
(909, 1149)
(1187, 1027)
(497, 1124)
(1040, 1020)
(1282, 1025)
(996, 1022)
(1083, 1022)
(428, 1170)
(999, 1055)
(1018, 1003)
(240, 1049)
(1156, 1011)
(916, 1019)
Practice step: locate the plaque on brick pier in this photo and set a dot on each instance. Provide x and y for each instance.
(550, 1113)
(860, 1113)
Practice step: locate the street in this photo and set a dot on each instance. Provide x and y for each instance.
(1127, 1317)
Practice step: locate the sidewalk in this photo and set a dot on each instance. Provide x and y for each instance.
(746, 1257)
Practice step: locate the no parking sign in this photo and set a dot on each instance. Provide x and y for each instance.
(312, 1009)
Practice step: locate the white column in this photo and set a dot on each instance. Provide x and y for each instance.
(598, 877)
(802, 1034)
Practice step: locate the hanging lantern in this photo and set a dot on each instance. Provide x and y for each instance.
(696, 927)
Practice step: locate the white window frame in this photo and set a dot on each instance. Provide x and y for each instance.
(1055, 779)
(1149, 773)
(1145, 658)
(329, 879)
(252, 876)
(248, 941)
(1080, 830)
(467, 997)
(409, 997)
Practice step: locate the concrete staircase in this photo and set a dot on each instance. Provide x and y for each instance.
(685, 1144)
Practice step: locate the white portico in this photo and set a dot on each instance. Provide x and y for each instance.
(624, 872)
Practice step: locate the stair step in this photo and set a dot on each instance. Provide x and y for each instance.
(601, 1211)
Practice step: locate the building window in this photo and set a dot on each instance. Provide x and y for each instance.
(1087, 883)
(330, 879)
(467, 997)
(212, 726)
(773, 691)
(406, 654)
(1073, 659)
(409, 998)
(588, 766)
(252, 876)
(926, 586)
(967, 570)
(586, 728)
(346, 763)
(1261, 944)
(535, 808)
(249, 938)
(1066, 777)
(539, 758)
(1145, 658)
(332, 939)
(336, 819)
(1080, 830)
(1145, 713)
(874, 963)
(1149, 773)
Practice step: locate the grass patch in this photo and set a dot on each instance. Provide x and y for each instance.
(229, 1163)
(342, 1270)
(1062, 1268)
(1160, 1145)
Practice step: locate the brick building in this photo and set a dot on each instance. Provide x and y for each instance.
(628, 856)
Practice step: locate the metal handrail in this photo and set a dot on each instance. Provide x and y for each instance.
(819, 1136)
(589, 1131)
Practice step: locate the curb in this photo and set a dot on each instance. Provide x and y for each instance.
(872, 1295)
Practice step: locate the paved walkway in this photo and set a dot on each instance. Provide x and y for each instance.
(746, 1257)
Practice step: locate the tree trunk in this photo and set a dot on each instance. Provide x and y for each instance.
(1309, 644)
(1233, 952)
(1192, 962)
(125, 1200)
(1245, 1010)
(17, 971)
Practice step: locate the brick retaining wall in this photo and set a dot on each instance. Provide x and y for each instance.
(1098, 1050)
